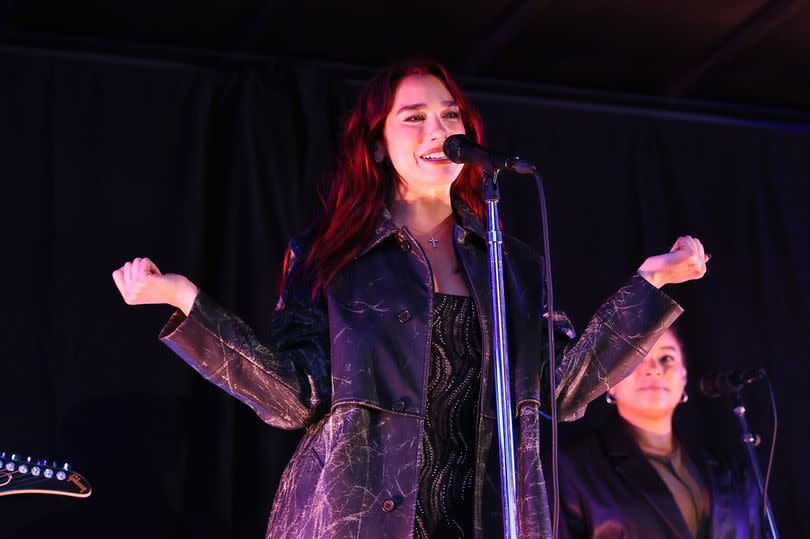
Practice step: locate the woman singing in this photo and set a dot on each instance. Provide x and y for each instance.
(381, 337)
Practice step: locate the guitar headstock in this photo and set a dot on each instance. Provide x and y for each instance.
(24, 476)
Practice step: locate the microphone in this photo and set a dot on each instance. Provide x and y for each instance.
(727, 382)
(460, 149)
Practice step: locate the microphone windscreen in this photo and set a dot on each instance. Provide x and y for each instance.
(452, 147)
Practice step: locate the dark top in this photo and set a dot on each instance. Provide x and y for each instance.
(444, 504)
(688, 488)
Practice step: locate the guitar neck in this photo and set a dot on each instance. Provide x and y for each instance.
(22, 476)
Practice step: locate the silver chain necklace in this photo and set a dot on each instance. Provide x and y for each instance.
(430, 237)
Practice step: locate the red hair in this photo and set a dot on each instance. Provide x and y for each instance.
(360, 187)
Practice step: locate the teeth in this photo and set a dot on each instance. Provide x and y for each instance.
(436, 155)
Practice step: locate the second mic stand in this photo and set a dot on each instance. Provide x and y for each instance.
(503, 398)
(750, 441)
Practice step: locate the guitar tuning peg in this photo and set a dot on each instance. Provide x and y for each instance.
(42, 462)
(14, 456)
(66, 467)
(3, 455)
(28, 460)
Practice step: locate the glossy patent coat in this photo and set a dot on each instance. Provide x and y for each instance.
(350, 365)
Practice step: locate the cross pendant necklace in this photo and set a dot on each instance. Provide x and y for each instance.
(430, 237)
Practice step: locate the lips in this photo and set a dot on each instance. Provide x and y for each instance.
(435, 155)
(653, 388)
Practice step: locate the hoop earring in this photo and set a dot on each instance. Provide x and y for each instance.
(610, 399)
(684, 398)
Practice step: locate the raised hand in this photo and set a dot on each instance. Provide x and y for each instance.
(140, 282)
(686, 261)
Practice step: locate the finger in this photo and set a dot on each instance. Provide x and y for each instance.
(708, 257)
(146, 267)
(696, 252)
(137, 268)
(152, 267)
(118, 278)
(691, 244)
(678, 244)
(699, 245)
(143, 268)
(701, 256)
(127, 274)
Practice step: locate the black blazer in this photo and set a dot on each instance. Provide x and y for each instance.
(609, 489)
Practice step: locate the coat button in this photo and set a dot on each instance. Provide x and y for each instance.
(399, 406)
(404, 315)
(406, 246)
(388, 505)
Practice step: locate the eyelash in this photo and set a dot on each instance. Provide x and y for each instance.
(452, 115)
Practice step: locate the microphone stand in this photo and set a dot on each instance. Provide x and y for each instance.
(750, 441)
(503, 398)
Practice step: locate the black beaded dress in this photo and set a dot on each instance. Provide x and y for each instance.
(444, 505)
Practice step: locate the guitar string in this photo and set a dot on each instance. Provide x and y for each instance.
(27, 478)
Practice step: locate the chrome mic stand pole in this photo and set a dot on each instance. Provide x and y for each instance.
(503, 398)
(750, 441)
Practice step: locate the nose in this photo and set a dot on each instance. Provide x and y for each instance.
(652, 367)
(436, 129)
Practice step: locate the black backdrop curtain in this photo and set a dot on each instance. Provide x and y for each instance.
(209, 167)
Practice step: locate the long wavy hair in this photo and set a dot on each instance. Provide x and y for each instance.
(359, 187)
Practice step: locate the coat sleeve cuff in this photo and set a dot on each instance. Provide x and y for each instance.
(185, 334)
(639, 313)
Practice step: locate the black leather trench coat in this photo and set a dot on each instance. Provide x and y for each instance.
(608, 489)
(350, 368)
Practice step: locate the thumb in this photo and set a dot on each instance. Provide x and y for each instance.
(151, 267)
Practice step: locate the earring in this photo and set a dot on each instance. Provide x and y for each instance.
(684, 397)
(610, 399)
(379, 153)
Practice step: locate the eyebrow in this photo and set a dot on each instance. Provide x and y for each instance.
(417, 106)
(667, 348)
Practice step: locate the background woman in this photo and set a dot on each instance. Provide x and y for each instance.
(636, 478)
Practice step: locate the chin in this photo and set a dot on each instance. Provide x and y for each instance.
(657, 405)
(445, 176)
(434, 179)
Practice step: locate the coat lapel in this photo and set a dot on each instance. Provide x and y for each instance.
(631, 464)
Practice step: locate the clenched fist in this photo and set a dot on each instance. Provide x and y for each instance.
(684, 262)
(140, 282)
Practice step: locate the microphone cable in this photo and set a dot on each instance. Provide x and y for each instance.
(773, 447)
(552, 369)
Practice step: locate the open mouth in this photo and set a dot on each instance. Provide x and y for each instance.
(437, 156)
